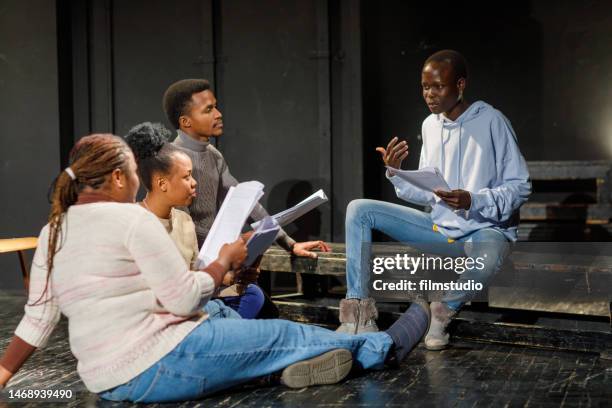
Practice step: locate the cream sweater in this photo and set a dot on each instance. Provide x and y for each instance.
(181, 228)
(124, 287)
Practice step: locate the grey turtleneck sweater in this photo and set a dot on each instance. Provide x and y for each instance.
(214, 180)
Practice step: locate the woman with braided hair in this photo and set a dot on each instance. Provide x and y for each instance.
(138, 325)
(95, 261)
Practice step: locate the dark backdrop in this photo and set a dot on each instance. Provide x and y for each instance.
(308, 88)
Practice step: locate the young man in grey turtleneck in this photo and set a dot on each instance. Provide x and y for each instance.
(191, 107)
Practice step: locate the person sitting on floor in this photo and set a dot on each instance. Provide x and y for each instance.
(476, 150)
(138, 320)
(166, 173)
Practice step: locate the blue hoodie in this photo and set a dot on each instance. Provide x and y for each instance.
(479, 153)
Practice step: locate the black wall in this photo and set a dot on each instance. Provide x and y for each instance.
(308, 88)
(271, 66)
(268, 81)
(544, 64)
(29, 122)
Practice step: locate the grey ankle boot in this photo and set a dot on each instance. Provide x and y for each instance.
(367, 316)
(357, 316)
(349, 316)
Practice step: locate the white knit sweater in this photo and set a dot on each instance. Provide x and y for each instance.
(124, 287)
(181, 228)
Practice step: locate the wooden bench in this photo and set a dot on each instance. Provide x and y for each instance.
(571, 201)
(527, 268)
(19, 245)
(578, 191)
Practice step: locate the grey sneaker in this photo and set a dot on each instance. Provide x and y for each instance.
(328, 368)
(437, 337)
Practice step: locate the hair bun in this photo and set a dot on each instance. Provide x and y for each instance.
(146, 139)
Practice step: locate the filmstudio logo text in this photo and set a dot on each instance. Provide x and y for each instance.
(425, 285)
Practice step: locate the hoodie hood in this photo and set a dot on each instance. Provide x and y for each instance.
(475, 110)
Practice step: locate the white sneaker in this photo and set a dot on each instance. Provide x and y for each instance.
(437, 337)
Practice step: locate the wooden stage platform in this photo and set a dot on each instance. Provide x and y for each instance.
(471, 373)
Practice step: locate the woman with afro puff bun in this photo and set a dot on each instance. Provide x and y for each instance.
(166, 174)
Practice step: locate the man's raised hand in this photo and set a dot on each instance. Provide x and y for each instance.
(395, 153)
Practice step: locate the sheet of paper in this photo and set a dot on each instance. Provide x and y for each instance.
(427, 178)
(237, 206)
(291, 214)
(263, 236)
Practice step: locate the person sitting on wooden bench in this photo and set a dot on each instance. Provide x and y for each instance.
(475, 148)
(191, 107)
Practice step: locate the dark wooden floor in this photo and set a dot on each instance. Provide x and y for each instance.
(469, 374)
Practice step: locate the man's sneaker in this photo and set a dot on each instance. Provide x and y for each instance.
(437, 337)
(328, 368)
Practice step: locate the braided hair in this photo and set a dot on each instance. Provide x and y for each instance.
(91, 160)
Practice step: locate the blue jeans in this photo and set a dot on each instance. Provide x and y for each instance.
(216, 309)
(225, 351)
(249, 304)
(413, 227)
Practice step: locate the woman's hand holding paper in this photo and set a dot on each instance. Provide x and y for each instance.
(233, 255)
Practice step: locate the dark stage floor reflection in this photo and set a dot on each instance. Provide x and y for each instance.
(470, 374)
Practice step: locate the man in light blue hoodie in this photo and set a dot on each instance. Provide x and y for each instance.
(475, 148)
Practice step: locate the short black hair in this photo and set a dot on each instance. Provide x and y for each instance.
(152, 150)
(177, 97)
(454, 58)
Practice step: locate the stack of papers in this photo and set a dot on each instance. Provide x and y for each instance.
(263, 236)
(236, 208)
(427, 178)
(289, 215)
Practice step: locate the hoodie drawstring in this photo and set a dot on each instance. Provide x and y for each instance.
(443, 155)
(442, 147)
(459, 175)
